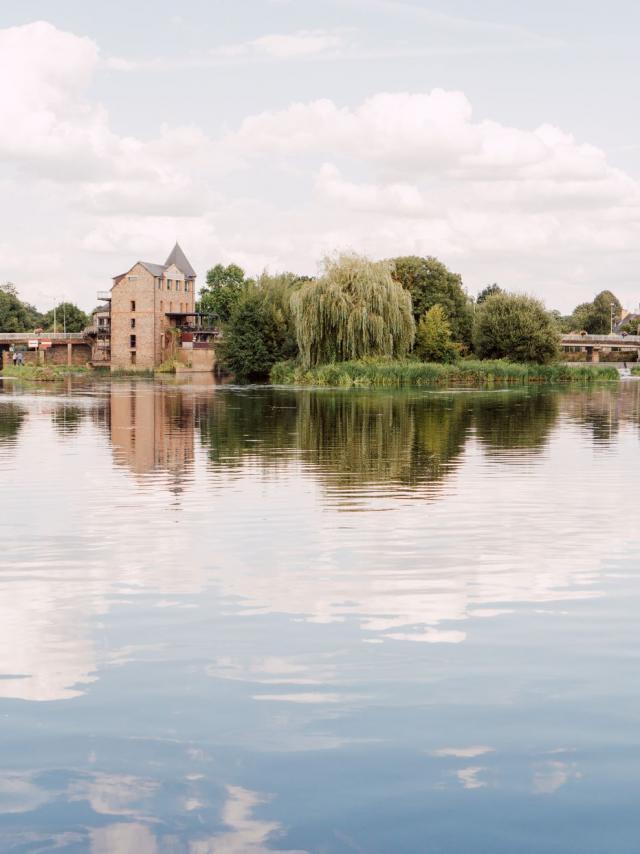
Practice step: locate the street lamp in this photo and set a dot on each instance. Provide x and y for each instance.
(613, 305)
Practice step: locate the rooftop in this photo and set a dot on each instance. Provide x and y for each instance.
(177, 257)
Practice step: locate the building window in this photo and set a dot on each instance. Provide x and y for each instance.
(133, 358)
(133, 323)
(186, 287)
(170, 308)
(133, 305)
(177, 286)
(168, 284)
(132, 342)
(159, 284)
(132, 278)
(161, 305)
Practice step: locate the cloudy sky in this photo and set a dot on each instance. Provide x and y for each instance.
(501, 136)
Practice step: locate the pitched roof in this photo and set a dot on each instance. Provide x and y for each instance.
(178, 258)
(154, 269)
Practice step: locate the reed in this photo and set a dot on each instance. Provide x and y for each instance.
(390, 372)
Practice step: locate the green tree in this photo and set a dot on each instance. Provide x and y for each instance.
(488, 291)
(260, 330)
(255, 337)
(595, 317)
(68, 317)
(433, 337)
(515, 327)
(355, 309)
(15, 315)
(429, 282)
(223, 291)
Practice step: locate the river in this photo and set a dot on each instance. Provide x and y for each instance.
(254, 619)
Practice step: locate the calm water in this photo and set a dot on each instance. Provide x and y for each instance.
(251, 620)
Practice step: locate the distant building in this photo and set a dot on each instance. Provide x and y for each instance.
(146, 302)
(629, 320)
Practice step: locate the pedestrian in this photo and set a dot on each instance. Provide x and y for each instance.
(14, 356)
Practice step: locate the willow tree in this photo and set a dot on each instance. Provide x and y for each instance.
(354, 309)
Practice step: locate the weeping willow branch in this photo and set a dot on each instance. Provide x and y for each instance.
(355, 309)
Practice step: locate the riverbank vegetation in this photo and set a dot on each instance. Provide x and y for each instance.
(43, 373)
(412, 372)
(396, 322)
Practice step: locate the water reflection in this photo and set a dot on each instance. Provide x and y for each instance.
(11, 419)
(151, 430)
(352, 439)
(411, 577)
(258, 619)
(67, 419)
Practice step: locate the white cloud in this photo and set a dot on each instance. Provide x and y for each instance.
(535, 209)
(284, 46)
(298, 44)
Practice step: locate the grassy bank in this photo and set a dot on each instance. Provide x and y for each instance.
(43, 373)
(413, 373)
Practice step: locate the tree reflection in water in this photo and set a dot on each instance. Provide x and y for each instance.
(67, 419)
(12, 418)
(360, 438)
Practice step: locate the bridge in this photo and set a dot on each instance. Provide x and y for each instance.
(64, 347)
(594, 345)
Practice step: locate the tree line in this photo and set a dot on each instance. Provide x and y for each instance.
(402, 307)
(358, 308)
(19, 316)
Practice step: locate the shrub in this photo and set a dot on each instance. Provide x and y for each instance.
(515, 327)
(433, 337)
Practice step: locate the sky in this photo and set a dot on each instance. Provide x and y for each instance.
(500, 136)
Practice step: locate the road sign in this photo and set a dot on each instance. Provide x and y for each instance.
(44, 345)
(33, 345)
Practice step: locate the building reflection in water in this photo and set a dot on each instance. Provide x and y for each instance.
(152, 428)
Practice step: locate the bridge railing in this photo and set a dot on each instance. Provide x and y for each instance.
(42, 336)
(600, 339)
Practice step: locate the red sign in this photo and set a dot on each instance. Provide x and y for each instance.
(44, 345)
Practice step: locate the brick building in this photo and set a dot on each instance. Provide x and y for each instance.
(148, 305)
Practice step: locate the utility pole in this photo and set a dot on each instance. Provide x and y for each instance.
(54, 319)
(612, 307)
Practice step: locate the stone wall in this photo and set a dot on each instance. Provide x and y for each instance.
(57, 354)
(133, 298)
(196, 360)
